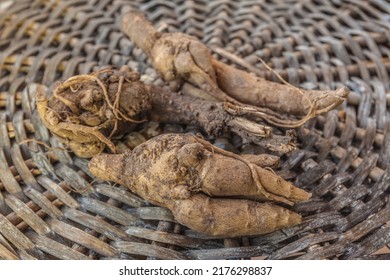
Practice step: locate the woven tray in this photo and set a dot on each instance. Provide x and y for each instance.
(50, 206)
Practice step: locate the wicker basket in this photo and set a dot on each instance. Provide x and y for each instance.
(51, 207)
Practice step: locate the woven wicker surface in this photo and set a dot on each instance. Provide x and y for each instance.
(50, 206)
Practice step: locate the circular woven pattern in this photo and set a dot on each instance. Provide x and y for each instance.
(51, 207)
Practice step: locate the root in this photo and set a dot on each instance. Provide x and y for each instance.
(91, 109)
(182, 59)
(49, 148)
(82, 130)
(313, 112)
(251, 166)
(88, 110)
(213, 117)
(206, 188)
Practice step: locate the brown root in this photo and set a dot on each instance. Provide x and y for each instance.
(211, 116)
(215, 118)
(86, 111)
(224, 217)
(108, 167)
(198, 182)
(270, 187)
(181, 59)
(282, 98)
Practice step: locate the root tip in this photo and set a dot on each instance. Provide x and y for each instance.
(107, 167)
(294, 219)
(342, 92)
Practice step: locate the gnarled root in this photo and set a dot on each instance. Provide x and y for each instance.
(181, 59)
(214, 118)
(86, 111)
(207, 189)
